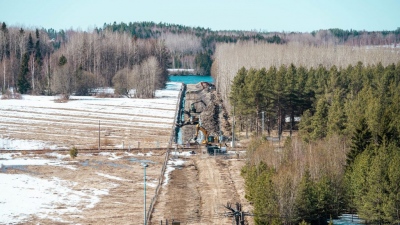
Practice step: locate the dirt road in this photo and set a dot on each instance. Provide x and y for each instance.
(197, 193)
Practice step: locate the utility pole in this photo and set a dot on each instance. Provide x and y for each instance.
(233, 128)
(144, 167)
(99, 135)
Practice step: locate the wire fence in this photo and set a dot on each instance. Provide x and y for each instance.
(172, 139)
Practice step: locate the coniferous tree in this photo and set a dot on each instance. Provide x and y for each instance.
(203, 63)
(336, 115)
(279, 94)
(23, 83)
(305, 126)
(306, 199)
(356, 179)
(320, 119)
(270, 98)
(392, 206)
(324, 189)
(376, 196)
(38, 52)
(360, 140)
(261, 191)
(238, 91)
(291, 95)
(30, 45)
(306, 95)
(255, 89)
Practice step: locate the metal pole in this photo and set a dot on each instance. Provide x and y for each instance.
(144, 195)
(233, 128)
(219, 123)
(145, 218)
(262, 131)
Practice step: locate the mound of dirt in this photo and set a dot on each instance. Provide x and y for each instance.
(209, 108)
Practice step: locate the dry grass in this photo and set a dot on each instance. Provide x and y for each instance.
(61, 98)
(106, 95)
(11, 95)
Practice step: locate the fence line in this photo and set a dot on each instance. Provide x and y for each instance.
(160, 182)
(172, 138)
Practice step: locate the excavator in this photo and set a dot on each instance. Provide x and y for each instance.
(205, 134)
(193, 108)
(194, 115)
(207, 85)
(209, 140)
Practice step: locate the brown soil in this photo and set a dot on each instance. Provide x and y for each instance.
(195, 194)
(213, 115)
(123, 204)
(198, 192)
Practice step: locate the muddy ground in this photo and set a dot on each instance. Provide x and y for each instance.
(198, 191)
(195, 193)
(125, 199)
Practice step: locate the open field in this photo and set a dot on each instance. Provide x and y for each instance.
(106, 187)
(47, 187)
(99, 188)
(37, 122)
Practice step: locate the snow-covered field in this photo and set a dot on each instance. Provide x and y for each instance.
(100, 188)
(51, 188)
(38, 122)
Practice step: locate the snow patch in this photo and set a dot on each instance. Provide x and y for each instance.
(57, 155)
(41, 198)
(113, 155)
(11, 144)
(9, 155)
(111, 177)
(28, 162)
(186, 153)
(70, 167)
(171, 165)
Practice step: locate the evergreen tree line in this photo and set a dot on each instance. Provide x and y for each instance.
(346, 155)
(229, 58)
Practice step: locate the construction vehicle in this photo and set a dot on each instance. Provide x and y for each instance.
(193, 114)
(193, 108)
(208, 86)
(209, 140)
(193, 120)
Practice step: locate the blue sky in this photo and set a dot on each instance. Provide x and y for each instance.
(265, 15)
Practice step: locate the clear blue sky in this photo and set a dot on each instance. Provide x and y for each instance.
(265, 15)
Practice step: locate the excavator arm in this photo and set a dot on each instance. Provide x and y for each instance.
(193, 108)
(204, 131)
